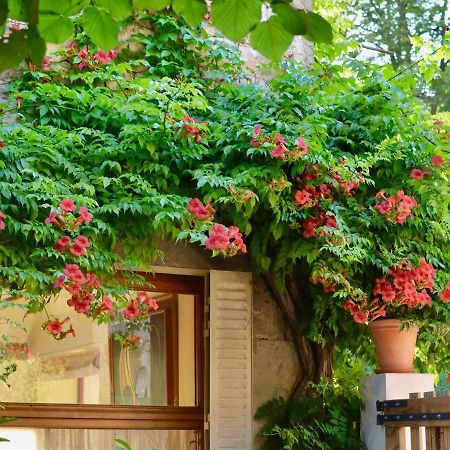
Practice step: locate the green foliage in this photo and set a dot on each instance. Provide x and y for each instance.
(329, 419)
(112, 137)
(102, 20)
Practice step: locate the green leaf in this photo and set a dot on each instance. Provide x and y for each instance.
(317, 28)
(55, 28)
(271, 39)
(36, 45)
(151, 4)
(192, 11)
(123, 443)
(66, 8)
(3, 11)
(15, 50)
(120, 9)
(100, 27)
(290, 18)
(235, 18)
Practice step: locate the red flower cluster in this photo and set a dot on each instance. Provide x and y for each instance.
(328, 285)
(84, 58)
(77, 249)
(279, 149)
(311, 224)
(200, 211)
(80, 286)
(2, 222)
(397, 207)
(140, 305)
(227, 241)
(18, 350)
(406, 285)
(55, 328)
(445, 294)
(365, 312)
(67, 206)
(311, 195)
(437, 160)
(348, 187)
(193, 128)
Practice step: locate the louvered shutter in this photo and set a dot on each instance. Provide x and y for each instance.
(230, 361)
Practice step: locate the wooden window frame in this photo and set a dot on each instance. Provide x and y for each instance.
(76, 416)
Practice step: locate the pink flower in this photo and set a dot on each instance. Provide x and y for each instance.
(59, 281)
(200, 211)
(106, 306)
(54, 327)
(350, 306)
(131, 311)
(2, 144)
(82, 241)
(360, 317)
(279, 151)
(278, 139)
(67, 205)
(257, 130)
(92, 280)
(83, 52)
(51, 217)
(62, 243)
(437, 160)
(438, 122)
(416, 174)
(302, 197)
(445, 294)
(153, 304)
(218, 238)
(102, 57)
(254, 143)
(301, 144)
(85, 216)
(78, 250)
(112, 54)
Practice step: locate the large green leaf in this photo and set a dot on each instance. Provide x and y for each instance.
(120, 9)
(290, 18)
(271, 39)
(66, 8)
(151, 4)
(100, 27)
(15, 50)
(55, 28)
(192, 11)
(36, 45)
(317, 28)
(235, 18)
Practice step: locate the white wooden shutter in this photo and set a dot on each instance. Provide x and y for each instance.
(230, 361)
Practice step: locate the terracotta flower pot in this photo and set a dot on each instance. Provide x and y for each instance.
(394, 348)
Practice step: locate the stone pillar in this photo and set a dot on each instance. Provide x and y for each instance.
(387, 386)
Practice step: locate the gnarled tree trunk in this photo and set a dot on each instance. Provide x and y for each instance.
(314, 359)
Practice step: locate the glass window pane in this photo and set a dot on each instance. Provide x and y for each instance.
(59, 439)
(148, 363)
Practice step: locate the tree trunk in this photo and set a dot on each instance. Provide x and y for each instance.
(314, 359)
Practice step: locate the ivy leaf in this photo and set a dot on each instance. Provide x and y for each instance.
(235, 18)
(100, 27)
(119, 9)
(192, 11)
(151, 4)
(55, 28)
(271, 39)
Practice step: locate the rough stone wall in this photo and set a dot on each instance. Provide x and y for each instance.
(274, 361)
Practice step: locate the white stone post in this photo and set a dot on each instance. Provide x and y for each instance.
(387, 386)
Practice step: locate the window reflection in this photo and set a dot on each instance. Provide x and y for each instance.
(96, 366)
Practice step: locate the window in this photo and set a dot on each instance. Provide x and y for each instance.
(96, 381)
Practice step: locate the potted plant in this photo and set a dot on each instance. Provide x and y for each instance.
(394, 312)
